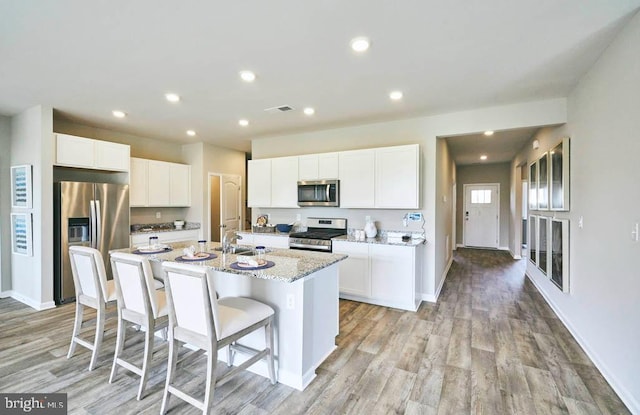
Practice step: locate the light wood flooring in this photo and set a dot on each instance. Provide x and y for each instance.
(491, 345)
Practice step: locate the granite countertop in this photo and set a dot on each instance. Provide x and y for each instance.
(162, 227)
(381, 239)
(290, 265)
(275, 233)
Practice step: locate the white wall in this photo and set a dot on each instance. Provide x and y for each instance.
(446, 176)
(423, 131)
(32, 143)
(602, 308)
(485, 173)
(5, 205)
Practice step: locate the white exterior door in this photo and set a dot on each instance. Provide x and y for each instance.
(230, 206)
(481, 215)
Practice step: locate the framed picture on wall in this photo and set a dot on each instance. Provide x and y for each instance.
(543, 182)
(543, 243)
(559, 245)
(533, 237)
(21, 234)
(533, 186)
(21, 188)
(559, 176)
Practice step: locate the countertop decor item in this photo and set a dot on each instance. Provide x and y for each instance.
(283, 227)
(179, 224)
(370, 228)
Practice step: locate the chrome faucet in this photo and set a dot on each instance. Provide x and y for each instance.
(228, 240)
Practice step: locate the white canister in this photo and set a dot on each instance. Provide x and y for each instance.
(370, 229)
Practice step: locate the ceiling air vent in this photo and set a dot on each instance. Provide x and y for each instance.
(280, 108)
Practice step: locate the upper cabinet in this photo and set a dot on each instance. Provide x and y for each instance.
(357, 173)
(318, 166)
(284, 182)
(397, 177)
(72, 151)
(376, 178)
(159, 184)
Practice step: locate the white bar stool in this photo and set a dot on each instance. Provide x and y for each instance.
(92, 290)
(140, 303)
(197, 317)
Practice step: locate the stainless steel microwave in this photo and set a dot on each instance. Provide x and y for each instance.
(319, 193)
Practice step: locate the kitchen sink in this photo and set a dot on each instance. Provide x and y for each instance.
(237, 250)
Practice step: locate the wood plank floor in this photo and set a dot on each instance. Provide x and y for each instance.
(490, 346)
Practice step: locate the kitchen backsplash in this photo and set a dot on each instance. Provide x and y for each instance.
(148, 214)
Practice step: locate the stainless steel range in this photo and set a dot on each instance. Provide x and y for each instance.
(318, 235)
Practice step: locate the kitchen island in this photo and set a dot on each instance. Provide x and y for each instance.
(302, 288)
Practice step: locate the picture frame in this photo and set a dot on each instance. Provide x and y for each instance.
(21, 234)
(559, 253)
(559, 168)
(533, 185)
(21, 187)
(543, 182)
(533, 239)
(543, 244)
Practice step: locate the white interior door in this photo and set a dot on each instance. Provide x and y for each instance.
(230, 203)
(481, 215)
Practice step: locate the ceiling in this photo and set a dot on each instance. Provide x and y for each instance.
(501, 147)
(87, 58)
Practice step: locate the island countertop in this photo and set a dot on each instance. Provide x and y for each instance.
(290, 264)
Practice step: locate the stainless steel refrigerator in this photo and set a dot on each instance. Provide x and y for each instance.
(87, 214)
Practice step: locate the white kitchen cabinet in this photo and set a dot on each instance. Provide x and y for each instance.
(269, 240)
(318, 166)
(284, 182)
(381, 274)
(397, 176)
(357, 178)
(354, 271)
(138, 183)
(159, 183)
(179, 184)
(259, 183)
(142, 239)
(81, 152)
(393, 274)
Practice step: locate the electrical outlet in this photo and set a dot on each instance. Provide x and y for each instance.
(291, 302)
(415, 216)
(158, 215)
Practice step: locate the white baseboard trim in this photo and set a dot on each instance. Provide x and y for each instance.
(514, 256)
(33, 303)
(460, 245)
(504, 248)
(623, 393)
(6, 294)
(433, 298)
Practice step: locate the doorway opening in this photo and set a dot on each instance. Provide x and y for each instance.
(225, 204)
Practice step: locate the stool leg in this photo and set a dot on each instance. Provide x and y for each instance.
(268, 329)
(212, 359)
(98, 337)
(148, 354)
(76, 328)
(119, 346)
(171, 371)
(230, 354)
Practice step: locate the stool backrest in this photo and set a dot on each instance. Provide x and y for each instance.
(89, 274)
(134, 283)
(191, 298)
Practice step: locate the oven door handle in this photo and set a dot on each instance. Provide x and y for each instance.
(314, 247)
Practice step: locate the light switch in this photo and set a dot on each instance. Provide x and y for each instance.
(635, 233)
(580, 222)
(158, 215)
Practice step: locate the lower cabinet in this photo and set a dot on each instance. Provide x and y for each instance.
(139, 239)
(269, 240)
(387, 275)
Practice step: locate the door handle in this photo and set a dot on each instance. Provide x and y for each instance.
(92, 223)
(98, 224)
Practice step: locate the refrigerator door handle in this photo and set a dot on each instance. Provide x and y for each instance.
(93, 225)
(98, 224)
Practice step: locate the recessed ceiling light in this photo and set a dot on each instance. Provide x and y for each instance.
(118, 114)
(483, 157)
(243, 123)
(191, 133)
(360, 44)
(488, 133)
(309, 111)
(247, 76)
(396, 95)
(172, 97)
